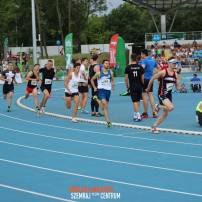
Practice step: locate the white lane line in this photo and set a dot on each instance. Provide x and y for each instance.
(102, 133)
(35, 193)
(101, 179)
(100, 159)
(104, 145)
(124, 125)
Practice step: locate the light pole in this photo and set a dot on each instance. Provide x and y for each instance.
(34, 32)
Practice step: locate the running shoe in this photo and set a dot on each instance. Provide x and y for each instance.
(137, 119)
(144, 115)
(42, 110)
(84, 111)
(92, 114)
(74, 120)
(95, 97)
(154, 130)
(109, 124)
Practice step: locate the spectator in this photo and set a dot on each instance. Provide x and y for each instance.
(195, 84)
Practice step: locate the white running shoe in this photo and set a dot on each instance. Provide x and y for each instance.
(74, 120)
(42, 110)
(85, 111)
(154, 130)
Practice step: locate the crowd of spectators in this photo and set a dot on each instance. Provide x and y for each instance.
(188, 54)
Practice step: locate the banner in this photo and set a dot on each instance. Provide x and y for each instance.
(112, 50)
(68, 50)
(120, 57)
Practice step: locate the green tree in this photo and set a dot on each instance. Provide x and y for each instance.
(130, 22)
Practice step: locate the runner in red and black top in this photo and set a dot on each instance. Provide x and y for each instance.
(8, 76)
(134, 77)
(48, 74)
(33, 78)
(169, 78)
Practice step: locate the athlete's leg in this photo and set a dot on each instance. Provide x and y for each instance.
(35, 95)
(104, 105)
(167, 107)
(76, 104)
(145, 104)
(46, 95)
(68, 102)
(26, 95)
(10, 95)
(83, 102)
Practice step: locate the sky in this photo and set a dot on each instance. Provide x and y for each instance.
(113, 4)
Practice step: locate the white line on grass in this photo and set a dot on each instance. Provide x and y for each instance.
(35, 193)
(103, 145)
(102, 133)
(101, 179)
(100, 159)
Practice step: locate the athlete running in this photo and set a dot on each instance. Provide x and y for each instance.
(33, 78)
(71, 90)
(48, 74)
(105, 81)
(83, 84)
(168, 78)
(8, 76)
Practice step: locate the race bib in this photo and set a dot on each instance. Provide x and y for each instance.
(48, 81)
(106, 82)
(33, 82)
(9, 79)
(169, 86)
(75, 85)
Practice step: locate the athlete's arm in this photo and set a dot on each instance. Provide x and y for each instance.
(142, 79)
(66, 82)
(96, 68)
(126, 81)
(155, 76)
(92, 80)
(3, 77)
(177, 84)
(29, 75)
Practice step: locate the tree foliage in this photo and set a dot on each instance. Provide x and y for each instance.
(56, 18)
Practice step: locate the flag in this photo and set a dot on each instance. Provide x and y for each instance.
(120, 57)
(68, 49)
(112, 50)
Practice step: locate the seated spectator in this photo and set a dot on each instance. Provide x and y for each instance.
(195, 84)
(183, 88)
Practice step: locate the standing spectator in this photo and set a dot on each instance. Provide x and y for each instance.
(134, 77)
(149, 64)
(93, 69)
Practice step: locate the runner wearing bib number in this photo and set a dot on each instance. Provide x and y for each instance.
(71, 90)
(33, 78)
(48, 74)
(105, 84)
(168, 79)
(8, 76)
